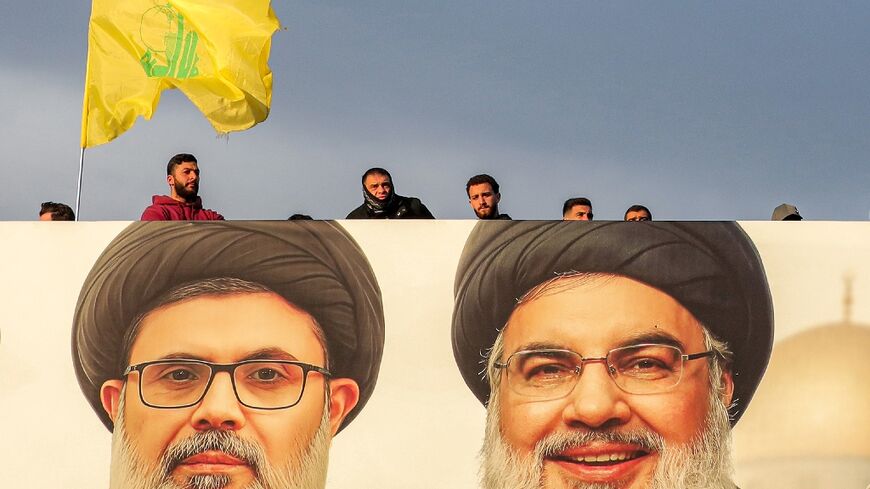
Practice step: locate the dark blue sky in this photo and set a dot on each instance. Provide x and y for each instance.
(712, 110)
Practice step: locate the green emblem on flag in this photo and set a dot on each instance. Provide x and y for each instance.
(178, 49)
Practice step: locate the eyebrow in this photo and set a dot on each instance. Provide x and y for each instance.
(657, 337)
(271, 353)
(542, 345)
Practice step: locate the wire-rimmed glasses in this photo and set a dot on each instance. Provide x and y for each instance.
(258, 384)
(636, 369)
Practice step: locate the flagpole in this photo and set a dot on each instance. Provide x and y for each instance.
(79, 186)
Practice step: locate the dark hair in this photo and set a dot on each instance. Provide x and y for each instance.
(300, 217)
(479, 179)
(179, 159)
(637, 208)
(58, 211)
(575, 201)
(376, 171)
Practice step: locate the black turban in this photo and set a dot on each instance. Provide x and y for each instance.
(711, 268)
(315, 265)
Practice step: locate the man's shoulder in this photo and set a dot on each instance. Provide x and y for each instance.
(208, 215)
(157, 210)
(412, 207)
(358, 213)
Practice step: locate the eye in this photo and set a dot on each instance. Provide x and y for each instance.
(646, 364)
(646, 367)
(545, 369)
(265, 374)
(549, 370)
(180, 375)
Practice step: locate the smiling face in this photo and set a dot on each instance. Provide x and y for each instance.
(227, 329)
(597, 433)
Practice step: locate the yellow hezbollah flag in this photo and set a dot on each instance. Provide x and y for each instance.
(215, 51)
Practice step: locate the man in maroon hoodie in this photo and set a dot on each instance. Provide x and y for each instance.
(182, 203)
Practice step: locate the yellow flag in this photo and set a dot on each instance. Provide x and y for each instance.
(215, 51)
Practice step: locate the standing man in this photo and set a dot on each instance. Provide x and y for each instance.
(577, 209)
(380, 200)
(228, 355)
(483, 195)
(637, 213)
(616, 356)
(54, 211)
(183, 202)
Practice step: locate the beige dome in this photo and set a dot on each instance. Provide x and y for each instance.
(814, 399)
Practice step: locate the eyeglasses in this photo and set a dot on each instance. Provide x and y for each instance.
(258, 384)
(636, 369)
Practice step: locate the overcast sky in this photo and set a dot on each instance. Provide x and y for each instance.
(706, 110)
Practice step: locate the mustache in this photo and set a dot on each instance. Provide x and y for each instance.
(213, 440)
(556, 443)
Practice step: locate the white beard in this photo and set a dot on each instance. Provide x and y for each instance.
(129, 471)
(704, 463)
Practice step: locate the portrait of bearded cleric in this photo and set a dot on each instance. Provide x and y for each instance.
(227, 355)
(610, 355)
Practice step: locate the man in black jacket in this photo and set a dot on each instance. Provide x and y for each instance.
(382, 202)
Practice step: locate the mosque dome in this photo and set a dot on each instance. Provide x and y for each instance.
(814, 399)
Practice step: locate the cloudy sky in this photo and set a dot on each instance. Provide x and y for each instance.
(706, 110)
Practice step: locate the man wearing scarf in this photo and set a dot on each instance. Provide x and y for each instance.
(380, 200)
(608, 356)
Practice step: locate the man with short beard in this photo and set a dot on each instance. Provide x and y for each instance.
(615, 357)
(484, 195)
(183, 202)
(227, 356)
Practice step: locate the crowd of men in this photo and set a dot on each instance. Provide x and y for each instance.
(380, 200)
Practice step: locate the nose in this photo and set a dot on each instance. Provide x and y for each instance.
(596, 402)
(220, 408)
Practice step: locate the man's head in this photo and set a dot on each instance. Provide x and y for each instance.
(54, 211)
(611, 363)
(276, 398)
(378, 183)
(182, 175)
(577, 209)
(613, 420)
(636, 213)
(234, 371)
(483, 195)
(786, 212)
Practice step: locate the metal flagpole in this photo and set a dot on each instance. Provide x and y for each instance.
(79, 186)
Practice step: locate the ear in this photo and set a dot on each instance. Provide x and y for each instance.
(343, 396)
(170, 180)
(727, 387)
(498, 197)
(110, 396)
